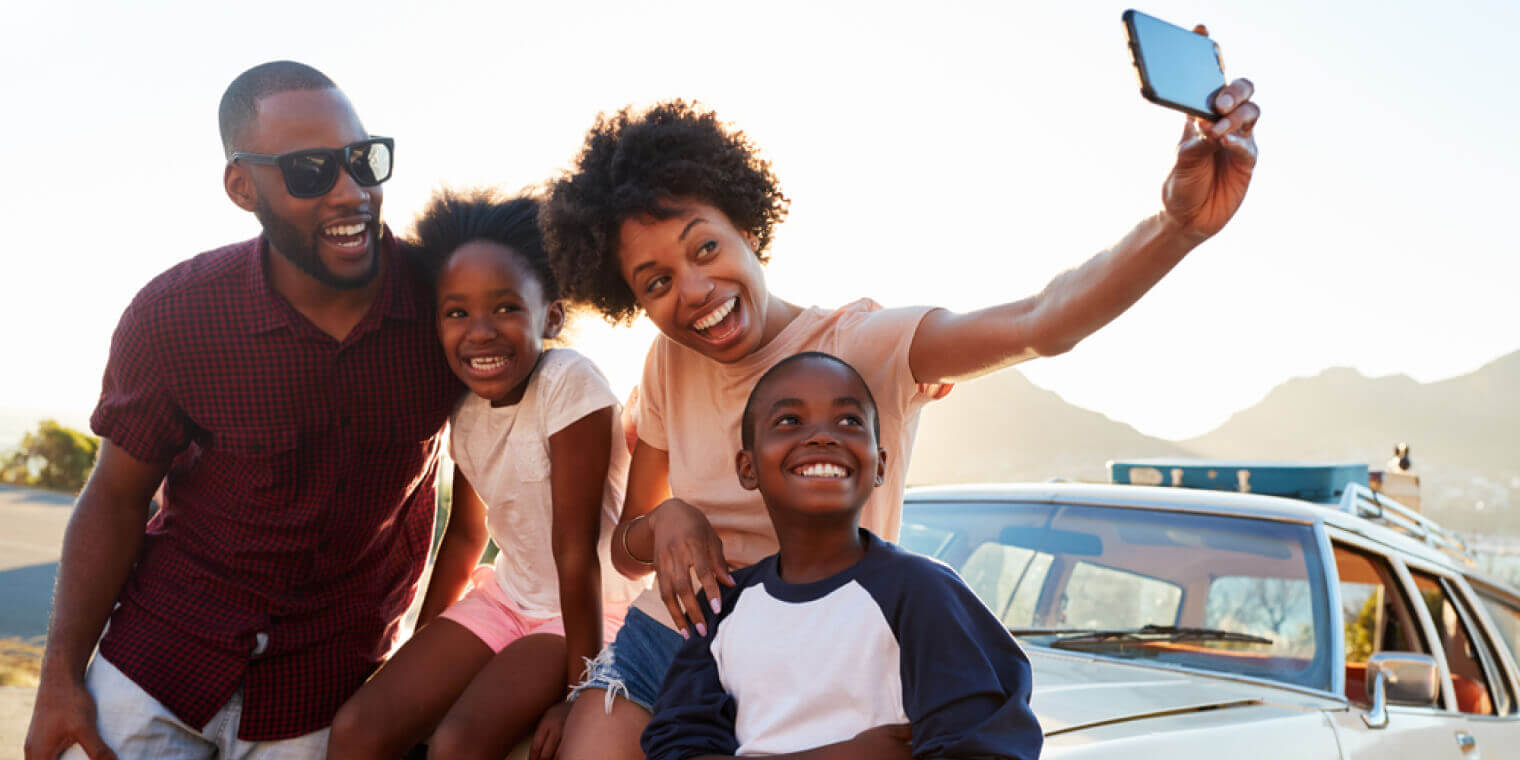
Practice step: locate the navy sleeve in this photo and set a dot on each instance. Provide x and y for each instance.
(966, 683)
(693, 715)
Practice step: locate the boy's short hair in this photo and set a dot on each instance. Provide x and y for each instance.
(747, 423)
(453, 218)
(635, 164)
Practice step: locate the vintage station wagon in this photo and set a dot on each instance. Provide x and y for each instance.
(1183, 622)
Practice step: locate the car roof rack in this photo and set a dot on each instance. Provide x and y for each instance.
(1368, 504)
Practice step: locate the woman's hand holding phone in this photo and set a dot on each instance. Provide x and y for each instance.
(1217, 152)
(1215, 160)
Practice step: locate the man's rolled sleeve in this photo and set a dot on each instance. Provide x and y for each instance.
(136, 410)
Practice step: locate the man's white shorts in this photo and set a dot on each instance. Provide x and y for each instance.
(135, 725)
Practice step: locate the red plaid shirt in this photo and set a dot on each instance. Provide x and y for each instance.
(298, 508)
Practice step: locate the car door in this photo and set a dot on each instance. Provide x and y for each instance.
(1497, 611)
(1377, 616)
(1480, 683)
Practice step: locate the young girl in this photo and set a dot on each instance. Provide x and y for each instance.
(669, 212)
(541, 463)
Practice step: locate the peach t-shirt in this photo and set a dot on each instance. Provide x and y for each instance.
(690, 405)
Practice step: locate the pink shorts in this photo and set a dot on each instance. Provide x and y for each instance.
(495, 619)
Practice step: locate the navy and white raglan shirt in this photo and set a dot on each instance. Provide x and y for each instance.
(896, 638)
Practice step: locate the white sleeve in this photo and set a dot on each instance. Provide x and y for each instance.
(571, 387)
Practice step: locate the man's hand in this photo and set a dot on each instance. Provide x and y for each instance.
(1214, 162)
(64, 716)
(686, 544)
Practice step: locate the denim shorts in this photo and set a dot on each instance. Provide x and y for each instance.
(634, 664)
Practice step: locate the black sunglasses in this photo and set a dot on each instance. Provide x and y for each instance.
(311, 173)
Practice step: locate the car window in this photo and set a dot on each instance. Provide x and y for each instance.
(1376, 615)
(1471, 674)
(1008, 579)
(1272, 607)
(1506, 620)
(1105, 597)
(1090, 573)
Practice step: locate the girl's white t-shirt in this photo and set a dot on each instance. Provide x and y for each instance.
(504, 451)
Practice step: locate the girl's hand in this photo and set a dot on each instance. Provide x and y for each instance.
(551, 729)
(685, 544)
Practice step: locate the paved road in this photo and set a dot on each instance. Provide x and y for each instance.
(31, 536)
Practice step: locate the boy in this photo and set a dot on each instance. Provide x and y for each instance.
(917, 646)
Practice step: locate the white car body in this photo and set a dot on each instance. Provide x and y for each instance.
(1125, 699)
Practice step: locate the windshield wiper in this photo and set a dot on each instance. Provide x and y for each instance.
(1079, 637)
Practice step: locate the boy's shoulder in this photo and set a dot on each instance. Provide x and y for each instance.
(908, 585)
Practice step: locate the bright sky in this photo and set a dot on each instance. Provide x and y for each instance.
(957, 154)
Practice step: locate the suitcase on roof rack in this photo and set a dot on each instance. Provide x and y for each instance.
(1316, 482)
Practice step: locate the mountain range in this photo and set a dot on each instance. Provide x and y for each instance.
(1463, 433)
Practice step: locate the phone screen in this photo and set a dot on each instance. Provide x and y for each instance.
(1178, 68)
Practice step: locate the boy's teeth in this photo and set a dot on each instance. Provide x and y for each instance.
(487, 362)
(717, 314)
(344, 230)
(821, 471)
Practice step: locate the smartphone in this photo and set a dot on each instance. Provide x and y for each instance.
(1178, 68)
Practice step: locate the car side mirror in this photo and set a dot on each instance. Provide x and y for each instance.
(1400, 678)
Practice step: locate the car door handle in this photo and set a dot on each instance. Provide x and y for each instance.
(1467, 743)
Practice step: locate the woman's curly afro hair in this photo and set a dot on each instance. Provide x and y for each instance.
(636, 164)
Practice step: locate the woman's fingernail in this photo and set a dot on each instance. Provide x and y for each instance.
(1224, 102)
(701, 629)
(716, 605)
(1220, 127)
(683, 633)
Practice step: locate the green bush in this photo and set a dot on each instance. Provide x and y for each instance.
(53, 457)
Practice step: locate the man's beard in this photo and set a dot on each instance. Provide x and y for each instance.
(291, 244)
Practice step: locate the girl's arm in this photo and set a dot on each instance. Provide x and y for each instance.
(668, 536)
(579, 455)
(1205, 188)
(464, 538)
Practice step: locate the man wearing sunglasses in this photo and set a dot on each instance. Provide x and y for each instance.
(287, 392)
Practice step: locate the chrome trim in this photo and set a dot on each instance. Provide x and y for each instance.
(1186, 509)
(1337, 615)
(1140, 497)
(1466, 743)
(1376, 716)
(1200, 707)
(1480, 638)
(1429, 630)
(1369, 505)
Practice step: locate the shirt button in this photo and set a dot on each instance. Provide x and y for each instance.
(260, 643)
